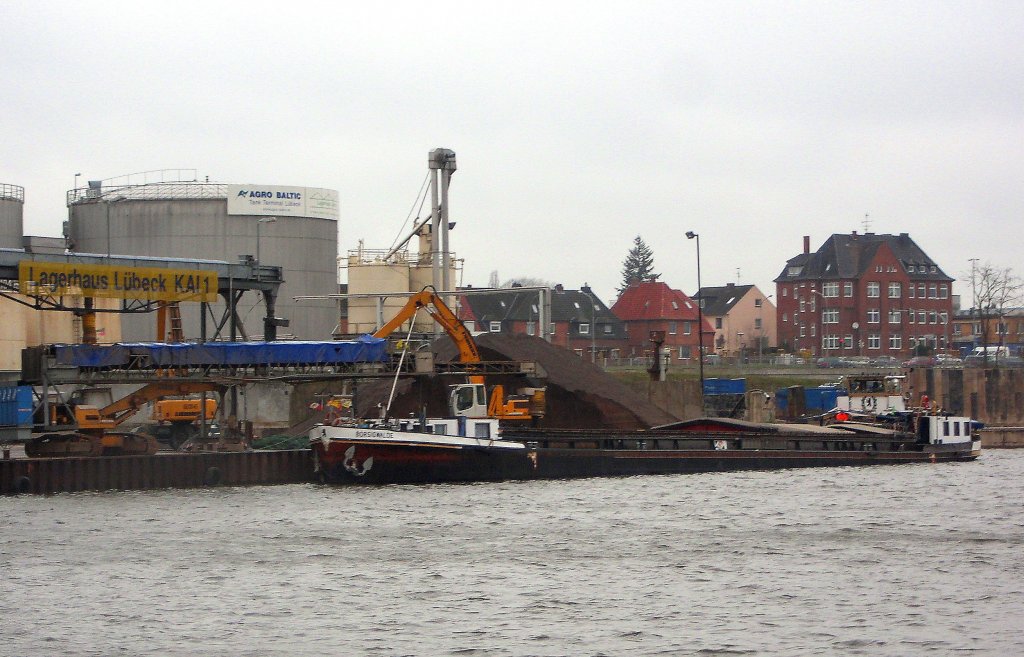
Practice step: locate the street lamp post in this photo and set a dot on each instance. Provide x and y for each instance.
(259, 222)
(593, 324)
(690, 235)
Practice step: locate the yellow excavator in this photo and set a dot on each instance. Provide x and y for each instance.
(469, 399)
(96, 432)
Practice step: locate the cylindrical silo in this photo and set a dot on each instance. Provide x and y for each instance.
(197, 220)
(12, 213)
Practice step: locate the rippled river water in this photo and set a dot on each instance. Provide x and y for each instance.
(889, 560)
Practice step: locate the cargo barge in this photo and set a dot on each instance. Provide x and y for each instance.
(471, 450)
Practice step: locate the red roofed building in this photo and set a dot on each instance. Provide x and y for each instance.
(654, 306)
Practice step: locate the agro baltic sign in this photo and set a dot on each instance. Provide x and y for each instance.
(277, 201)
(40, 279)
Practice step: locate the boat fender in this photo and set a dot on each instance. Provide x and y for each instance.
(22, 485)
(212, 476)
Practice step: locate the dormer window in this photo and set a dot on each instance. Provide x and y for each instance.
(794, 271)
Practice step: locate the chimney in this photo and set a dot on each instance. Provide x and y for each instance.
(807, 243)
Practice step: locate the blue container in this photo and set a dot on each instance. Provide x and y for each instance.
(725, 386)
(16, 406)
(816, 400)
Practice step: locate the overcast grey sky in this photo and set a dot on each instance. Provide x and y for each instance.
(577, 126)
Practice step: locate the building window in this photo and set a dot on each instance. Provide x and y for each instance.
(673, 327)
(607, 329)
(874, 316)
(957, 329)
(551, 328)
(584, 329)
(830, 341)
(757, 302)
(874, 341)
(1002, 328)
(812, 301)
(830, 289)
(687, 329)
(757, 324)
(934, 269)
(933, 317)
(921, 291)
(944, 318)
(802, 331)
(922, 317)
(895, 341)
(785, 318)
(873, 290)
(803, 306)
(531, 328)
(848, 344)
(933, 292)
(718, 322)
(910, 291)
(785, 291)
(911, 315)
(943, 291)
(848, 289)
(684, 353)
(894, 290)
(830, 316)
(813, 330)
(495, 327)
(894, 316)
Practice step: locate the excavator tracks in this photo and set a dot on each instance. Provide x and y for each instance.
(69, 444)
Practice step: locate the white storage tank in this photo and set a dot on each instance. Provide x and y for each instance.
(294, 228)
(12, 213)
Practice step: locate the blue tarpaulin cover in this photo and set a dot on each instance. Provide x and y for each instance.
(365, 349)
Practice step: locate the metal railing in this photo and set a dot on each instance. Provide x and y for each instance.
(12, 192)
(157, 184)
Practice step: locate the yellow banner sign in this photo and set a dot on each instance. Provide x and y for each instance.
(146, 283)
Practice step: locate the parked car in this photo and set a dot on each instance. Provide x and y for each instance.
(856, 361)
(830, 361)
(920, 361)
(885, 361)
(945, 360)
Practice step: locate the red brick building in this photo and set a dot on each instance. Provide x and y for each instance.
(863, 295)
(654, 306)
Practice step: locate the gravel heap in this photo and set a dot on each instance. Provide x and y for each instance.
(579, 394)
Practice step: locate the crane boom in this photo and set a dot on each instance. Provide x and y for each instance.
(429, 300)
(513, 409)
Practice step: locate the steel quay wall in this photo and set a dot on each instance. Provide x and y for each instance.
(67, 475)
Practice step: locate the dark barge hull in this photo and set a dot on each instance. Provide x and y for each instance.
(553, 455)
(165, 470)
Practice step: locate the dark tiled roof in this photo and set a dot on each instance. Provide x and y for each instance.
(847, 256)
(719, 300)
(566, 306)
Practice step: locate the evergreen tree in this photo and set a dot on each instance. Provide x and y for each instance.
(638, 265)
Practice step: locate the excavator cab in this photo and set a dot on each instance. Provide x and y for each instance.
(468, 400)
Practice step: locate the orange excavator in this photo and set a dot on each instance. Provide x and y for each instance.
(96, 427)
(468, 399)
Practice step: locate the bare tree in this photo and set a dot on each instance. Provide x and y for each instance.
(996, 290)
